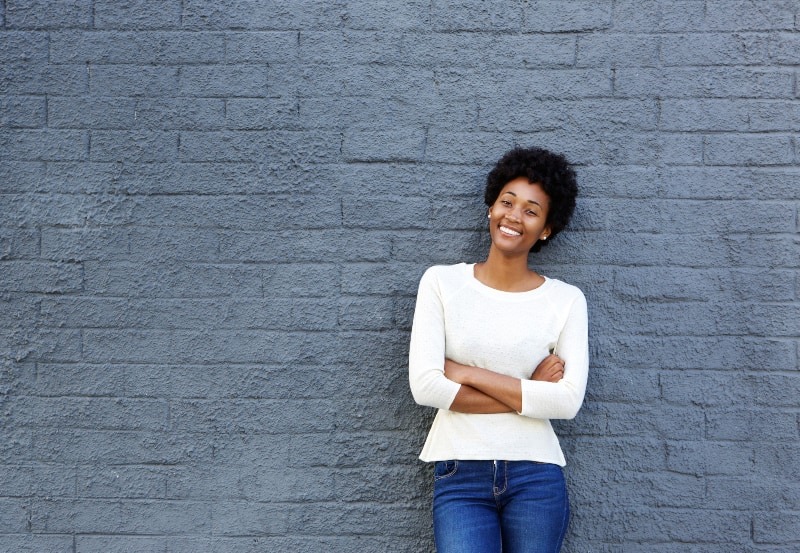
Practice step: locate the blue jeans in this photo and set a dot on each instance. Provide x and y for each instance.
(499, 506)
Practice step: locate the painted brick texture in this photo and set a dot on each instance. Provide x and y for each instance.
(214, 215)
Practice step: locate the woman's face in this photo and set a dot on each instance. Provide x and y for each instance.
(518, 218)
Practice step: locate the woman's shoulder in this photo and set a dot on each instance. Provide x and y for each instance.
(459, 270)
(564, 289)
(446, 276)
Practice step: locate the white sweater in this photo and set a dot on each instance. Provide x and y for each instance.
(460, 318)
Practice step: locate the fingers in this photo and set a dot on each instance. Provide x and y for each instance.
(553, 368)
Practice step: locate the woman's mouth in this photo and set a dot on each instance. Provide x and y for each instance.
(509, 231)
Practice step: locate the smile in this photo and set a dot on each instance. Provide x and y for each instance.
(509, 232)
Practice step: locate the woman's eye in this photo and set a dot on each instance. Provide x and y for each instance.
(505, 202)
(531, 212)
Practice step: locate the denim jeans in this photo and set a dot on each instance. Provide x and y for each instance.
(499, 506)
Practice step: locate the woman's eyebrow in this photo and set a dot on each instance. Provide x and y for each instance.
(529, 201)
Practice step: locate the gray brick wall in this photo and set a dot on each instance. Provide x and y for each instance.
(213, 217)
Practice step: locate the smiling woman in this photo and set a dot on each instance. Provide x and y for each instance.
(500, 350)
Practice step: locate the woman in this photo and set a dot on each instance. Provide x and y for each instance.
(500, 349)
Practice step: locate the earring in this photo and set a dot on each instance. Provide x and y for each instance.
(489, 216)
(544, 237)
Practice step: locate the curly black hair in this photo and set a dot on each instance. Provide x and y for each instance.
(550, 170)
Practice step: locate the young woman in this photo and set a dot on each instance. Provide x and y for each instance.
(500, 349)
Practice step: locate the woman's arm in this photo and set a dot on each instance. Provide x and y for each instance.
(484, 391)
(429, 385)
(557, 386)
(563, 400)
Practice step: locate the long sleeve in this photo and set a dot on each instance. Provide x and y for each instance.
(429, 385)
(563, 399)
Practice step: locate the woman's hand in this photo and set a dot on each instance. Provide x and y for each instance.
(551, 369)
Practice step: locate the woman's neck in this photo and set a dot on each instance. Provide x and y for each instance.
(510, 274)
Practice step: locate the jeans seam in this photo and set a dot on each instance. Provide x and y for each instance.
(449, 474)
(505, 480)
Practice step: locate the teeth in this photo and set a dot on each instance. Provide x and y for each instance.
(506, 230)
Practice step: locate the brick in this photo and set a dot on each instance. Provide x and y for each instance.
(254, 484)
(132, 80)
(102, 516)
(32, 543)
(686, 525)
(554, 84)
(366, 313)
(395, 212)
(766, 183)
(68, 112)
(19, 243)
(262, 113)
(778, 460)
(348, 113)
(719, 352)
(780, 528)
(37, 480)
(15, 514)
(384, 14)
(26, 276)
(748, 150)
(22, 79)
(773, 252)
(43, 144)
(41, 14)
(83, 244)
(738, 15)
(658, 15)
(23, 47)
(124, 482)
(567, 115)
(247, 146)
(446, 247)
(81, 379)
(549, 16)
(729, 115)
(306, 246)
(240, 518)
(252, 213)
(617, 50)
(350, 48)
(709, 49)
(167, 346)
(171, 279)
(266, 416)
(119, 544)
(752, 426)
(783, 49)
(472, 15)
(766, 494)
(139, 48)
(71, 446)
(269, 15)
(94, 413)
(261, 47)
(20, 177)
(168, 177)
(487, 50)
(224, 81)
(704, 82)
(329, 81)
(137, 146)
(140, 14)
(32, 210)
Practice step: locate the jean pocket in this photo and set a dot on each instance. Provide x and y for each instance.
(444, 469)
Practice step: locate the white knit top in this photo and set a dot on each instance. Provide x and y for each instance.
(460, 318)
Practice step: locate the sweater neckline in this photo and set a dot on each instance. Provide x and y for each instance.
(469, 269)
